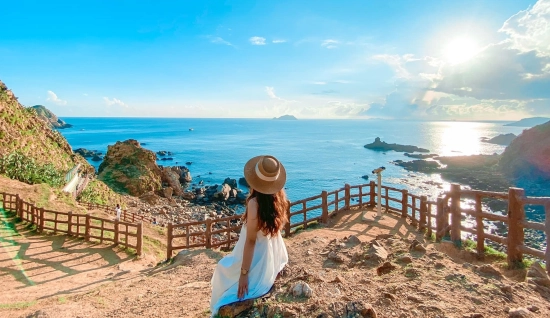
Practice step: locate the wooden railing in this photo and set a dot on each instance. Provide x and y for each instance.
(514, 220)
(91, 228)
(446, 222)
(302, 213)
(124, 215)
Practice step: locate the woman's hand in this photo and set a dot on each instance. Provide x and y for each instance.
(243, 286)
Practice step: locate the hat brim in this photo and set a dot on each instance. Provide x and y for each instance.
(262, 186)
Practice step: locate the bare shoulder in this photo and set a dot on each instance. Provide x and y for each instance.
(252, 207)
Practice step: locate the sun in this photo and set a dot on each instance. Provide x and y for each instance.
(460, 50)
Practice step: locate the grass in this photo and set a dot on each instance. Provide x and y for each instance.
(18, 305)
(62, 300)
(494, 255)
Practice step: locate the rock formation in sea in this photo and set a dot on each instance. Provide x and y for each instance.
(379, 145)
(503, 139)
(46, 115)
(129, 168)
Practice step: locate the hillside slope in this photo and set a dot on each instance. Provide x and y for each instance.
(528, 156)
(22, 131)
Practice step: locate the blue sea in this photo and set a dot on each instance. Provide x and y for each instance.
(317, 154)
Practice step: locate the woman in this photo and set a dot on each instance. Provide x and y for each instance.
(249, 271)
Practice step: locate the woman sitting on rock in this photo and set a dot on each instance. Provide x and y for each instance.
(249, 271)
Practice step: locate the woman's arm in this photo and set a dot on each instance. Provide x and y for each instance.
(248, 253)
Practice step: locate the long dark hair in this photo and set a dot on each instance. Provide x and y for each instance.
(272, 210)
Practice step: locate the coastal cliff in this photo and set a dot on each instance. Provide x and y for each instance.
(45, 114)
(528, 156)
(23, 135)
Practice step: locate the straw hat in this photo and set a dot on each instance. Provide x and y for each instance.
(265, 174)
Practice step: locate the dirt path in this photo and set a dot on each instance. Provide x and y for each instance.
(438, 282)
(34, 267)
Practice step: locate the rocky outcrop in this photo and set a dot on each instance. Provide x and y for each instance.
(50, 118)
(174, 176)
(379, 145)
(87, 153)
(504, 139)
(129, 168)
(528, 156)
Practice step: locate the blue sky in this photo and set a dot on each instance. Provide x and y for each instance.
(464, 60)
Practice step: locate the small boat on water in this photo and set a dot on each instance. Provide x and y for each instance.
(191, 129)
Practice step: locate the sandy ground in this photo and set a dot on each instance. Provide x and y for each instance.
(70, 278)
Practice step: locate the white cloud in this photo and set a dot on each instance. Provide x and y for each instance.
(85, 94)
(219, 40)
(529, 30)
(257, 40)
(53, 98)
(319, 83)
(329, 44)
(114, 101)
(277, 41)
(270, 90)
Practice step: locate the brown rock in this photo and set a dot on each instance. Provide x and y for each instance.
(385, 268)
(519, 312)
(130, 168)
(335, 257)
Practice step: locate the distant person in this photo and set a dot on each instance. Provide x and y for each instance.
(118, 211)
(249, 271)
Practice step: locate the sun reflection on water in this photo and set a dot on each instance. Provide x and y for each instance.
(459, 138)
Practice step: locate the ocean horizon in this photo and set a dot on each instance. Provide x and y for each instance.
(319, 154)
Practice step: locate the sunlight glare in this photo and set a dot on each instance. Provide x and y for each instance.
(460, 50)
(460, 138)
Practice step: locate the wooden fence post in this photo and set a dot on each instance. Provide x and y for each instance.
(41, 222)
(208, 233)
(439, 223)
(18, 206)
(70, 223)
(516, 216)
(372, 193)
(169, 241)
(287, 225)
(116, 232)
(139, 238)
(324, 208)
(423, 211)
(480, 233)
(87, 229)
(347, 196)
(4, 200)
(455, 215)
(404, 203)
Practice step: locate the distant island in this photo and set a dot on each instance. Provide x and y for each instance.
(384, 146)
(285, 117)
(49, 117)
(529, 122)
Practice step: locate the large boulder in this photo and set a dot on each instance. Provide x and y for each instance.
(171, 176)
(129, 168)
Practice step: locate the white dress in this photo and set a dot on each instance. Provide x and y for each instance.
(270, 257)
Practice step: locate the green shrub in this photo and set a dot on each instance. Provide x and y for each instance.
(25, 169)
